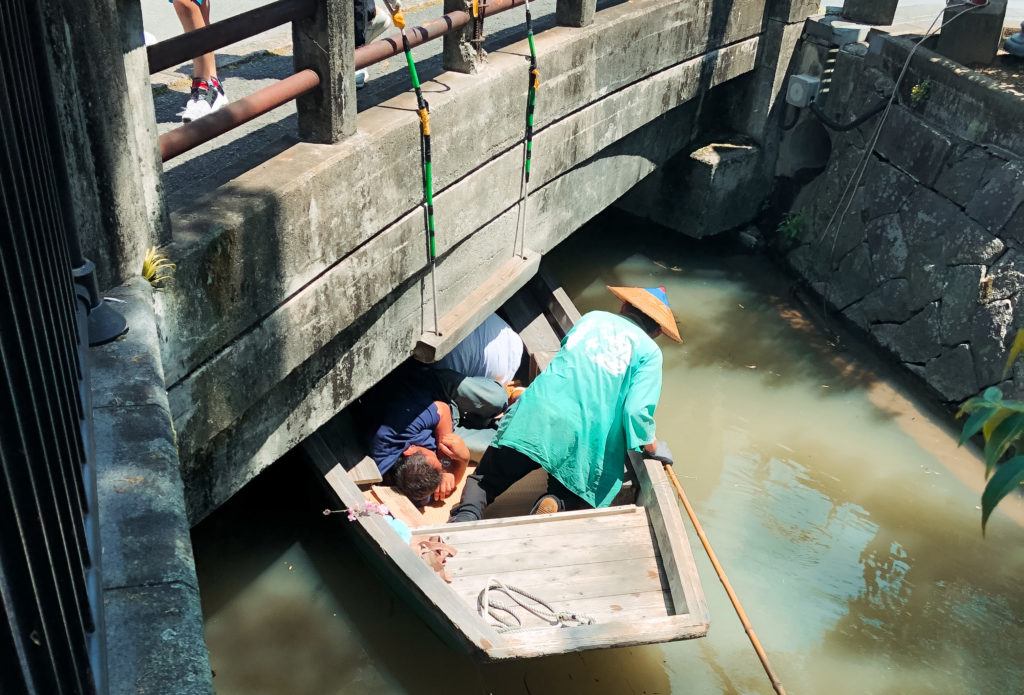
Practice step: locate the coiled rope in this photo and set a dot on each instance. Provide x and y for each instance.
(506, 616)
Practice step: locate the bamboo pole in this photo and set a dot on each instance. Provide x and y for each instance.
(742, 614)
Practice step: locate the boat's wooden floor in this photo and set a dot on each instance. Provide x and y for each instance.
(518, 499)
(601, 563)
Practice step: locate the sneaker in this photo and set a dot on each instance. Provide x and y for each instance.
(379, 23)
(361, 77)
(204, 100)
(548, 504)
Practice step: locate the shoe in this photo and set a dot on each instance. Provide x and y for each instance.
(548, 504)
(380, 23)
(203, 101)
(361, 77)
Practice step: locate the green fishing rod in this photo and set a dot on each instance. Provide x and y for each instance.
(531, 104)
(423, 109)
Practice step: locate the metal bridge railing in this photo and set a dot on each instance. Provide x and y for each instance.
(51, 633)
(227, 31)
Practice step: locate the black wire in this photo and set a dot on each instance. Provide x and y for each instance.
(842, 127)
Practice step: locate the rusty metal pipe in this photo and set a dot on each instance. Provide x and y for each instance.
(178, 49)
(382, 49)
(185, 137)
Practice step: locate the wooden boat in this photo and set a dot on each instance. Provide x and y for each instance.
(629, 566)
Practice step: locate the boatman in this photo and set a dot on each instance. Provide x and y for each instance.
(594, 401)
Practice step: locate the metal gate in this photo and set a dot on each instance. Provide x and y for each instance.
(50, 590)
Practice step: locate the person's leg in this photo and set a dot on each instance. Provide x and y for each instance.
(499, 470)
(570, 500)
(193, 16)
(209, 59)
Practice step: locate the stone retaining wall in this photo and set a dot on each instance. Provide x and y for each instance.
(929, 258)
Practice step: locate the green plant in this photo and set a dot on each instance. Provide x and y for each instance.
(1001, 424)
(792, 226)
(919, 92)
(157, 269)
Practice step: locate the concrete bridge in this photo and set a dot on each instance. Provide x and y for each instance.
(302, 282)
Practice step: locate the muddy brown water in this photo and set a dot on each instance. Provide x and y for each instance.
(836, 499)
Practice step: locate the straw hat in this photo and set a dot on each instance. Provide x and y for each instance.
(653, 301)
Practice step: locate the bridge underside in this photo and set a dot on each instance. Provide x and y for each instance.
(302, 282)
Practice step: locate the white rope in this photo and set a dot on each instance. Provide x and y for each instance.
(506, 617)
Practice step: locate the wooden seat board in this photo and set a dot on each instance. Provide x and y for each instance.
(627, 578)
(612, 572)
(464, 564)
(561, 545)
(599, 524)
(461, 320)
(557, 640)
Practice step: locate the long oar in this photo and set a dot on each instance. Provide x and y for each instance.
(776, 683)
(423, 109)
(531, 103)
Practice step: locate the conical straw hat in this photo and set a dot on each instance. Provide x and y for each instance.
(653, 301)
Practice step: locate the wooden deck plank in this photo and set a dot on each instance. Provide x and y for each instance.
(478, 305)
(464, 564)
(454, 535)
(592, 581)
(530, 520)
(624, 608)
(559, 640)
(611, 570)
(561, 545)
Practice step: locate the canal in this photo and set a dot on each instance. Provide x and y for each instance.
(835, 496)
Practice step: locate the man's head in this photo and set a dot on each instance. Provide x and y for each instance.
(649, 307)
(646, 323)
(416, 478)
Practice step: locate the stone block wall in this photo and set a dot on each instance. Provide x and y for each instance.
(929, 256)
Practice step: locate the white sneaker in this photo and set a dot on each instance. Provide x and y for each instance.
(361, 77)
(204, 100)
(380, 23)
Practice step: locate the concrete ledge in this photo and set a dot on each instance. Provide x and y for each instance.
(153, 615)
(960, 100)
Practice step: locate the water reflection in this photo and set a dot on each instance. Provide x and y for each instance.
(836, 503)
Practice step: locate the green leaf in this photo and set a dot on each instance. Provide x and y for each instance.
(1015, 350)
(1008, 478)
(1008, 431)
(975, 422)
(994, 422)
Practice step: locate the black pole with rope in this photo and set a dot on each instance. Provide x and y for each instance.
(423, 110)
(531, 103)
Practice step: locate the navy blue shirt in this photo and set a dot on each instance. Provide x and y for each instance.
(405, 416)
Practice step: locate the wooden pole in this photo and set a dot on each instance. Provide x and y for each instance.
(776, 683)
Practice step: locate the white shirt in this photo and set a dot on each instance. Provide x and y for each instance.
(493, 350)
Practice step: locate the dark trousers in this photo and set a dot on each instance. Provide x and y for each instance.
(500, 468)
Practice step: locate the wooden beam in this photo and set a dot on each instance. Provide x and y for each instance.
(477, 306)
(339, 436)
(658, 498)
(556, 302)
